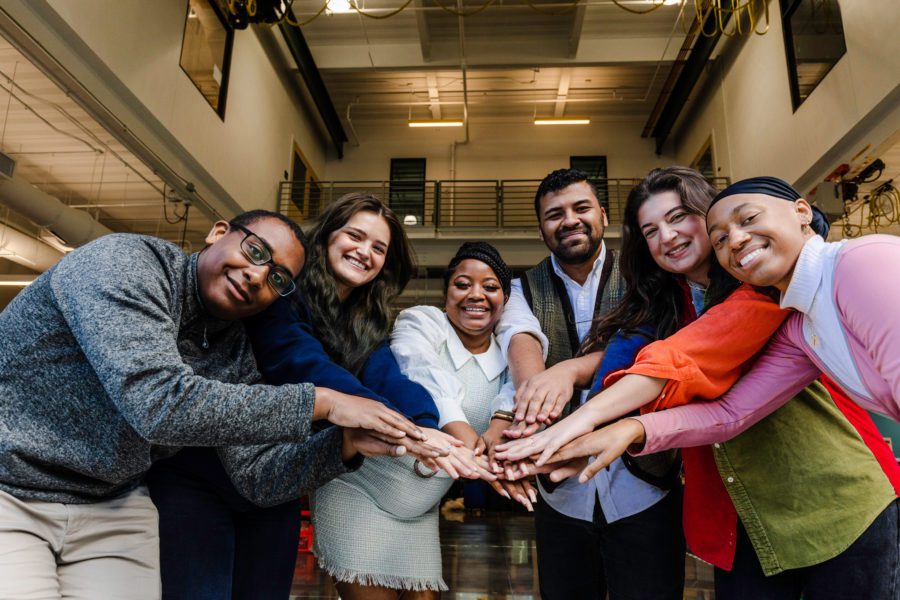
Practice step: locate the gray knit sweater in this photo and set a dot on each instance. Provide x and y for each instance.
(109, 362)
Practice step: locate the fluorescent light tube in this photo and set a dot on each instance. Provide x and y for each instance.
(562, 121)
(435, 123)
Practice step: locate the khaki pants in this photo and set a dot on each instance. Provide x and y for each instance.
(101, 551)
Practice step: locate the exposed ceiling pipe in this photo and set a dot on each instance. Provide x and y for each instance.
(463, 68)
(25, 250)
(73, 227)
(355, 140)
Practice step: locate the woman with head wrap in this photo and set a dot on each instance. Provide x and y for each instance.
(774, 474)
(377, 529)
(844, 321)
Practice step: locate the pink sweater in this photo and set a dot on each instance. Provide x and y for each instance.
(866, 294)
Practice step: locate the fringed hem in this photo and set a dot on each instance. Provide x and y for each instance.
(393, 582)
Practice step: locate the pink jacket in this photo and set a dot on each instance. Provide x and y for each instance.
(866, 293)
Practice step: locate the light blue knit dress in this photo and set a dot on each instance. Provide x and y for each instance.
(379, 525)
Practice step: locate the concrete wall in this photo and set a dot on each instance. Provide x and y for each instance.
(247, 153)
(496, 150)
(747, 106)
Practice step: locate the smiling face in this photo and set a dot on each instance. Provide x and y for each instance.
(676, 238)
(474, 301)
(357, 251)
(758, 238)
(230, 286)
(572, 223)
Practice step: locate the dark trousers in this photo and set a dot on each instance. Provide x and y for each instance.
(868, 569)
(640, 557)
(214, 544)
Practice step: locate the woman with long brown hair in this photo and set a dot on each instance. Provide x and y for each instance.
(803, 504)
(234, 534)
(377, 528)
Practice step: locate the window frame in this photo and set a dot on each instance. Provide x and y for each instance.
(788, 8)
(601, 183)
(226, 60)
(311, 194)
(400, 190)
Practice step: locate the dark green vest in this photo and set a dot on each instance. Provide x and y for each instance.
(546, 295)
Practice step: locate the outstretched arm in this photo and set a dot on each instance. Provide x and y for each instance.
(779, 374)
(109, 309)
(867, 285)
(701, 360)
(777, 377)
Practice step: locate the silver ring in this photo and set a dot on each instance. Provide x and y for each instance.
(418, 472)
(448, 448)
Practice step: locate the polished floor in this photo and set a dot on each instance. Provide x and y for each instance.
(487, 556)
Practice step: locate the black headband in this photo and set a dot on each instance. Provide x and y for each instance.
(776, 188)
(487, 254)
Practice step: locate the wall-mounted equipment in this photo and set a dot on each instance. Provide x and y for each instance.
(874, 211)
(243, 12)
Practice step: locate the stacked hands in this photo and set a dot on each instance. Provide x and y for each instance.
(372, 429)
(563, 449)
(510, 452)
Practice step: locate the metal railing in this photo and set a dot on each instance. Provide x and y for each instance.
(450, 204)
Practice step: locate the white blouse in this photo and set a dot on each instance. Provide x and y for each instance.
(420, 335)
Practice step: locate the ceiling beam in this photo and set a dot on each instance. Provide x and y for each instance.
(434, 97)
(562, 93)
(424, 36)
(687, 78)
(402, 55)
(308, 70)
(575, 33)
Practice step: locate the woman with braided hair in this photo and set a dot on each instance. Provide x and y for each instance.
(377, 528)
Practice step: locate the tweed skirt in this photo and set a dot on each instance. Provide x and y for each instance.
(378, 526)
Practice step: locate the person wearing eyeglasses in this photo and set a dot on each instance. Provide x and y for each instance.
(230, 530)
(121, 353)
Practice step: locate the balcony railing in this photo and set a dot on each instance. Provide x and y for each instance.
(450, 204)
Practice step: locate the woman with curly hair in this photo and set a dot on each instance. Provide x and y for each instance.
(804, 503)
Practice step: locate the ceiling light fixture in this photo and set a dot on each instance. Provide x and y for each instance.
(340, 7)
(562, 121)
(436, 123)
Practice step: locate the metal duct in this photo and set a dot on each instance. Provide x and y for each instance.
(25, 250)
(306, 66)
(690, 73)
(74, 227)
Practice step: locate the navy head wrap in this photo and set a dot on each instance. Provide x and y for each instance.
(488, 255)
(777, 188)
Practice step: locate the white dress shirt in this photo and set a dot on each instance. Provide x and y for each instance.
(621, 493)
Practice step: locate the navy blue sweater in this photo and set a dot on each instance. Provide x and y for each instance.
(287, 351)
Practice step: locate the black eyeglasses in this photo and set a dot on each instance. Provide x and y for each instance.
(258, 252)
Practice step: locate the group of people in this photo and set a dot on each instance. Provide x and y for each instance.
(705, 386)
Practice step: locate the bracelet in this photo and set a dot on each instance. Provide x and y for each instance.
(504, 415)
(418, 471)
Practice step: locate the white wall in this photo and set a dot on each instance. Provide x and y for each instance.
(750, 115)
(496, 150)
(246, 153)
